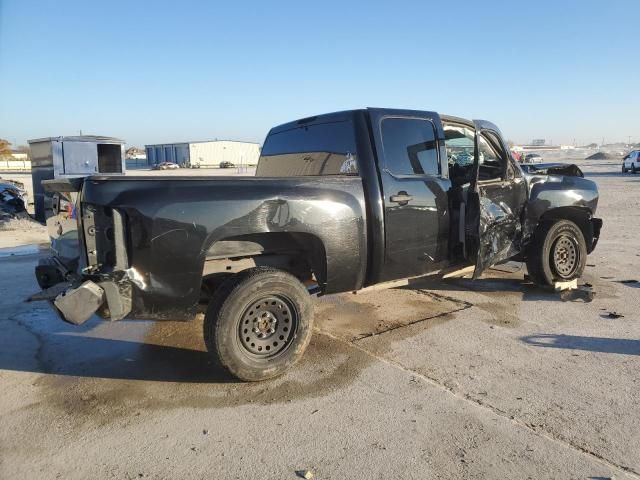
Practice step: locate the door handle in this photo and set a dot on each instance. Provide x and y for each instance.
(402, 198)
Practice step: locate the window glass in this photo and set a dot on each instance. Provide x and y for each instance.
(317, 149)
(459, 141)
(492, 162)
(410, 146)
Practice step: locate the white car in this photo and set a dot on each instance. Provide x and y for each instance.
(166, 166)
(532, 158)
(631, 162)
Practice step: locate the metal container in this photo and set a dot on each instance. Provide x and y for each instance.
(65, 157)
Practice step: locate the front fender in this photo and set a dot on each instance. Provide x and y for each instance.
(559, 196)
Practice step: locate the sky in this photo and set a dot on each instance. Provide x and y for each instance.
(158, 71)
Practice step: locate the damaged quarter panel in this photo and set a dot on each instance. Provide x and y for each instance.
(173, 223)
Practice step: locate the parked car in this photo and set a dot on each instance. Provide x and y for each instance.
(226, 165)
(339, 202)
(631, 162)
(531, 158)
(166, 166)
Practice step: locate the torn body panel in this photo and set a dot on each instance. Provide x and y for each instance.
(501, 199)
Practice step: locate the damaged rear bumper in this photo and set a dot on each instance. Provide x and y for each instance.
(75, 299)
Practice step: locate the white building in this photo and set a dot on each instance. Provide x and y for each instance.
(211, 153)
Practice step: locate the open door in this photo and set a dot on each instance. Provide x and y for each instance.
(498, 194)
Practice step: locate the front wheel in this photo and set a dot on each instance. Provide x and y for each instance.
(633, 168)
(558, 253)
(258, 323)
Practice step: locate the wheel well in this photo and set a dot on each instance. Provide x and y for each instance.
(301, 254)
(580, 216)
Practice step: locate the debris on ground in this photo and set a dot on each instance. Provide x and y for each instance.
(614, 315)
(569, 285)
(12, 201)
(307, 474)
(13, 211)
(602, 156)
(574, 293)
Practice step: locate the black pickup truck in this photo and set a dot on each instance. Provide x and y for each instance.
(339, 202)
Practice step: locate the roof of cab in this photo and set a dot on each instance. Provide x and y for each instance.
(346, 115)
(324, 118)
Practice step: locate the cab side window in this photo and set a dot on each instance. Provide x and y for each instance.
(493, 159)
(410, 146)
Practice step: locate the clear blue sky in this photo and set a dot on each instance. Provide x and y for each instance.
(168, 71)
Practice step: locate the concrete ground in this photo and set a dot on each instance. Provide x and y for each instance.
(440, 379)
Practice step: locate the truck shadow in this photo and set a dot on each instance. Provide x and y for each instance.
(620, 346)
(168, 352)
(129, 350)
(494, 283)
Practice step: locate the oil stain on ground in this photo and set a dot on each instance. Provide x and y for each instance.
(110, 372)
(353, 317)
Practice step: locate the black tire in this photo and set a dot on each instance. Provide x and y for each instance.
(624, 170)
(633, 168)
(258, 323)
(558, 253)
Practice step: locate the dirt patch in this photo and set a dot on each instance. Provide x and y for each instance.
(22, 231)
(353, 317)
(325, 367)
(168, 367)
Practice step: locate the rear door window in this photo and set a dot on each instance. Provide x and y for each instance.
(410, 146)
(316, 149)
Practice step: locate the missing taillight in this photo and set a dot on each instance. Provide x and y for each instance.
(104, 229)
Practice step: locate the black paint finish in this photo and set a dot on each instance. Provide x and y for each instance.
(169, 240)
(148, 238)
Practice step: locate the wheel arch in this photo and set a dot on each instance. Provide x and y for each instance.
(299, 253)
(581, 216)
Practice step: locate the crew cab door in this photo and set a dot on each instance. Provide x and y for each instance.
(413, 173)
(501, 193)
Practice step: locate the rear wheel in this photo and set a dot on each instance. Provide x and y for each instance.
(258, 323)
(624, 170)
(558, 253)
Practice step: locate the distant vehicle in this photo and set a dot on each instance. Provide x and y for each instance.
(531, 158)
(631, 162)
(166, 166)
(226, 165)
